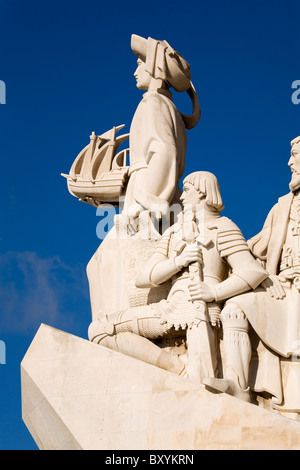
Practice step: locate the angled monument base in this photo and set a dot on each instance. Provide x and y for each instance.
(78, 395)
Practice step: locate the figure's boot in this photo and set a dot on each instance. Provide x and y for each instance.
(237, 354)
(104, 333)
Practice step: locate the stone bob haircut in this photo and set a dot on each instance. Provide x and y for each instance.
(207, 184)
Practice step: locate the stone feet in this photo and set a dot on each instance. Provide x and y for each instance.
(227, 386)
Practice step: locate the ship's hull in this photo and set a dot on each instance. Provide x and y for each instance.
(108, 188)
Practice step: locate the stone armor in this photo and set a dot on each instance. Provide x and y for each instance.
(218, 239)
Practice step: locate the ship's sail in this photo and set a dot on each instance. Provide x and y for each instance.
(99, 174)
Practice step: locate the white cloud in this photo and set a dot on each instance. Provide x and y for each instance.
(35, 290)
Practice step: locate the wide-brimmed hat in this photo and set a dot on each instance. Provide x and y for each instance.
(162, 61)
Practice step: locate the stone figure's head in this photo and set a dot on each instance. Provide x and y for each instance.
(160, 66)
(294, 163)
(161, 62)
(201, 187)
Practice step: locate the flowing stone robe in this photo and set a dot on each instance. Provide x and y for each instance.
(158, 143)
(276, 322)
(157, 152)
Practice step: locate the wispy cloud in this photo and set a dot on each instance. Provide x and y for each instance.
(35, 290)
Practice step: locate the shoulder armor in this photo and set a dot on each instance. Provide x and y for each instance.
(226, 224)
(230, 239)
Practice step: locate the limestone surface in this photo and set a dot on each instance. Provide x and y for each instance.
(79, 395)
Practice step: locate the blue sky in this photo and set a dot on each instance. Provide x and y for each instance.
(68, 70)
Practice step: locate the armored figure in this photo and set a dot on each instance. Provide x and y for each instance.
(198, 253)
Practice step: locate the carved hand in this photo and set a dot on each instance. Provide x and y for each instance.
(190, 254)
(201, 291)
(134, 210)
(273, 287)
(133, 213)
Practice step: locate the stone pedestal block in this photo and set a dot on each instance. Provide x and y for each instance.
(78, 395)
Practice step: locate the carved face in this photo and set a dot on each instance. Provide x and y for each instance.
(191, 198)
(142, 77)
(294, 163)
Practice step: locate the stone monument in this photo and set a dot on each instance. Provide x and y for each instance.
(193, 342)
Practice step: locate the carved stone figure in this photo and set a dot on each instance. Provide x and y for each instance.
(157, 139)
(273, 309)
(197, 254)
(177, 293)
(157, 154)
(158, 130)
(190, 297)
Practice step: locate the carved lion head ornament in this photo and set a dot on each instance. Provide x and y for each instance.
(163, 62)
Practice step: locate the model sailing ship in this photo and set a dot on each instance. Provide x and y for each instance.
(99, 174)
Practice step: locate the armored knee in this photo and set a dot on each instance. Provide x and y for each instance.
(233, 317)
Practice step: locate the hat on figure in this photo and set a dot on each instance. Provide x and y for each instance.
(163, 62)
